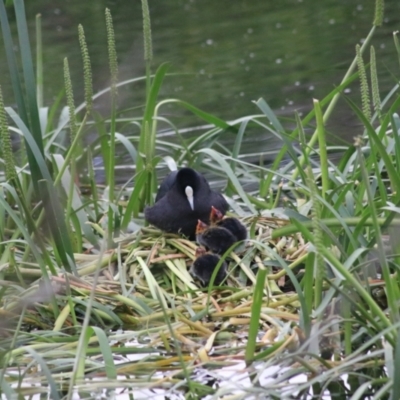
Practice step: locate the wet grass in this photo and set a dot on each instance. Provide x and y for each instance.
(96, 303)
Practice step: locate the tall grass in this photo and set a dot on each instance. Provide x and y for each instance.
(315, 289)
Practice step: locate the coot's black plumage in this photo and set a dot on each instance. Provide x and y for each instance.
(204, 266)
(214, 238)
(183, 198)
(232, 224)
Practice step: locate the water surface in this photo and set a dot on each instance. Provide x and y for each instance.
(224, 54)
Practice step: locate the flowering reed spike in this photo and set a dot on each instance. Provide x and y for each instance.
(5, 140)
(87, 69)
(379, 11)
(320, 271)
(376, 100)
(112, 53)
(397, 44)
(363, 84)
(148, 50)
(70, 99)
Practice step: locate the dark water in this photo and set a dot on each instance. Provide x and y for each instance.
(226, 53)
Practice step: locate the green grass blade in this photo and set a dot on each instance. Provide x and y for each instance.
(396, 382)
(266, 109)
(231, 175)
(238, 142)
(40, 165)
(212, 119)
(391, 288)
(45, 370)
(39, 61)
(133, 203)
(394, 176)
(28, 72)
(351, 280)
(396, 126)
(28, 221)
(55, 218)
(56, 222)
(255, 316)
(12, 63)
(322, 147)
(77, 204)
(146, 134)
(129, 147)
(106, 351)
(155, 88)
(7, 390)
(22, 227)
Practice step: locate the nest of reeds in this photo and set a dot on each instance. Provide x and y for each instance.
(147, 276)
(168, 257)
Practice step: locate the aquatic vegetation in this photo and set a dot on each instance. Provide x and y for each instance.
(95, 302)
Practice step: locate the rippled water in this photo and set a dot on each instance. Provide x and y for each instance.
(224, 54)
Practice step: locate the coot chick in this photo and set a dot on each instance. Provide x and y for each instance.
(204, 266)
(232, 224)
(214, 238)
(184, 197)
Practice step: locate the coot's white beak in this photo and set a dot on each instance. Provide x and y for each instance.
(189, 195)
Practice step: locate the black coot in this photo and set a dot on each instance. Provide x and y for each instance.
(214, 238)
(232, 224)
(183, 198)
(204, 266)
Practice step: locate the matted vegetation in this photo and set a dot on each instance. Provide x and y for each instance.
(96, 304)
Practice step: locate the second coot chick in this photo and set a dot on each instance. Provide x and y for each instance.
(232, 224)
(204, 266)
(215, 238)
(183, 197)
